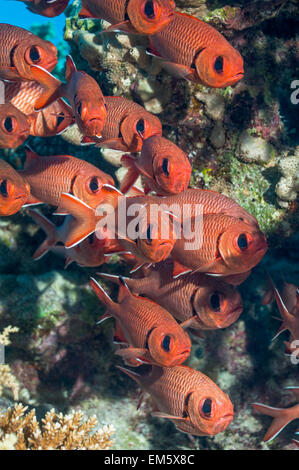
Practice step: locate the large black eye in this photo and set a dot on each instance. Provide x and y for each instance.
(91, 238)
(79, 109)
(165, 166)
(215, 302)
(242, 241)
(8, 124)
(59, 119)
(149, 233)
(149, 10)
(218, 65)
(34, 54)
(207, 408)
(94, 184)
(140, 126)
(166, 343)
(3, 188)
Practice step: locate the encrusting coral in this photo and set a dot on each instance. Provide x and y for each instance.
(6, 377)
(21, 431)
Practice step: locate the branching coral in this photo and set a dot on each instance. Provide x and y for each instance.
(6, 377)
(56, 432)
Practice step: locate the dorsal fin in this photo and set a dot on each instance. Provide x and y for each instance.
(70, 67)
(31, 157)
(124, 290)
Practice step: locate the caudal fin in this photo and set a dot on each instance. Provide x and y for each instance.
(51, 232)
(84, 220)
(105, 299)
(52, 87)
(282, 417)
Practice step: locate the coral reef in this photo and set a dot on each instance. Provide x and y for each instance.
(7, 379)
(20, 430)
(242, 141)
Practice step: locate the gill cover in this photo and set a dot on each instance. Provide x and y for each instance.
(150, 16)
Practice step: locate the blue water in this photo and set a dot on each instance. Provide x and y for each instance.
(16, 13)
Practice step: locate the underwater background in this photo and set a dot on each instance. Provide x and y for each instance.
(243, 142)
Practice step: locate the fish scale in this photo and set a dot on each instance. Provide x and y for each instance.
(196, 34)
(10, 36)
(171, 390)
(48, 177)
(185, 295)
(141, 315)
(113, 12)
(211, 203)
(23, 95)
(213, 226)
(118, 109)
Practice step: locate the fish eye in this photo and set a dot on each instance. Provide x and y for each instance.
(59, 119)
(149, 10)
(149, 233)
(3, 188)
(206, 408)
(215, 302)
(165, 166)
(242, 242)
(34, 54)
(79, 109)
(94, 184)
(91, 238)
(140, 126)
(218, 64)
(166, 343)
(9, 124)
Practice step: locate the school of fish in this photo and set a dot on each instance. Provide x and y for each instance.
(180, 284)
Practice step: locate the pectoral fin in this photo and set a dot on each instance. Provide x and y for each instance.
(122, 27)
(160, 414)
(131, 353)
(179, 269)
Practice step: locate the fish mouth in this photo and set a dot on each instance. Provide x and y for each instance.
(222, 423)
(51, 64)
(180, 358)
(232, 316)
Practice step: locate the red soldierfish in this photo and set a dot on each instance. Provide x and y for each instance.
(207, 302)
(281, 416)
(14, 191)
(20, 49)
(194, 50)
(188, 398)
(48, 8)
(153, 334)
(132, 16)
(229, 246)
(49, 177)
(164, 167)
(210, 201)
(14, 126)
(126, 126)
(83, 93)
